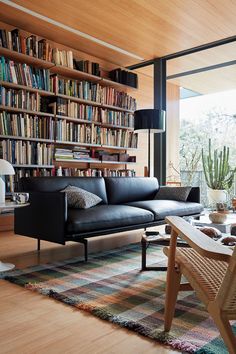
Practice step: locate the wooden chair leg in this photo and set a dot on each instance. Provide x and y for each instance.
(172, 289)
(225, 330)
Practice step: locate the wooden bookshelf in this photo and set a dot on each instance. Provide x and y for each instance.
(68, 73)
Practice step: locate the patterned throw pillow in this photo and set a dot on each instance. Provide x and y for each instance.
(179, 194)
(79, 198)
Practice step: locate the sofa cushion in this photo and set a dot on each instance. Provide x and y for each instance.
(95, 185)
(103, 217)
(80, 198)
(163, 208)
(173, 193)
(130, 189)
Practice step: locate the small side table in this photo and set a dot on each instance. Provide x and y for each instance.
(8, 206)
(161, 240)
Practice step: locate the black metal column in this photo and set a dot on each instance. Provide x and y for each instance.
(160, 103)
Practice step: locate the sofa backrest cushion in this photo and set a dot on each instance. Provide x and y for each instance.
(95, 185)
(122, 190)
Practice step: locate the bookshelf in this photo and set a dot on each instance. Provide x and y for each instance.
(37, 85)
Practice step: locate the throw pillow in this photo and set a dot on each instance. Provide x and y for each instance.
(179, 194)
(80, 198)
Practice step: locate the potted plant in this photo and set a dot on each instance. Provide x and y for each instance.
(218, 173)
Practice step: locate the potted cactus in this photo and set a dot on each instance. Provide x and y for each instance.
(218, 173)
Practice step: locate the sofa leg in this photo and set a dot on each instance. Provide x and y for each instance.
(85, 250)
(38, 244)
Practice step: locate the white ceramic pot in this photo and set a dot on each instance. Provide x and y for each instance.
(217, 196)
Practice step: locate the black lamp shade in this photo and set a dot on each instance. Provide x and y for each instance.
(150, 119)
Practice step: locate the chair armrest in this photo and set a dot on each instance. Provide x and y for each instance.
(45, 217)
(204, 245)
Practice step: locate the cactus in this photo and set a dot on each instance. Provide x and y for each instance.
(217, 171)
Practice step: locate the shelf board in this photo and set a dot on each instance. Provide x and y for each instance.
(72, 143)
(26, 88)
(117, 147)
(78, 161)
(80, 100)
(115, 108)
(118, 163)
(74, 74)
(107, 125)
(77, 120)
(22, 110)
(12, 137)
(24, 58)
(32, 166)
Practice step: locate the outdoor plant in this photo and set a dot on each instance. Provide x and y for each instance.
(216, 167)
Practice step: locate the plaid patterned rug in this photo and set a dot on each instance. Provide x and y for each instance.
(111, 286)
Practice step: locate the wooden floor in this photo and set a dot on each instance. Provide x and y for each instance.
(32, 323)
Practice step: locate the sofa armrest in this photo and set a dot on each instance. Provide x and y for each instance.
(45, 217)
(194, 195)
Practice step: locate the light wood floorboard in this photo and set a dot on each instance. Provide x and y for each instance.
(32, 323)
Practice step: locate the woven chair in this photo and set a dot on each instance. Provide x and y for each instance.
(210, 269)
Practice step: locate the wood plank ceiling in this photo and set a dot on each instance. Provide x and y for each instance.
(146, 28)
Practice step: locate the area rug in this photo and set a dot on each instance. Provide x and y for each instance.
(111, 287)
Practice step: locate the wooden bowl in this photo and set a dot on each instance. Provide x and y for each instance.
(217, 218)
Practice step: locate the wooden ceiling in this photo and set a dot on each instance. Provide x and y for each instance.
(145, 28)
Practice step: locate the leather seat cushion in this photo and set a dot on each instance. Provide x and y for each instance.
(163, 208)
(104, 217)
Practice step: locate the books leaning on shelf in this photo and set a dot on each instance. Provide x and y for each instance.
(78, 133)
(26, 126)
(92, 172)
(62, 57)
(26, 152)
(23, 74)
(31, 45)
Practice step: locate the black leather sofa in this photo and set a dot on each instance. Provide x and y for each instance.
(127, 204)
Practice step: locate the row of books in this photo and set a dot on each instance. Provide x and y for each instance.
(87, 67)
(80, 89)
(77, 110)
(31, 45)
(21, 99)
(27, 126)
(93, 92)
(119, 137)
(124, 77)
(73, 132)
(41, 49)
(23, 74)
(26, 152)
(116, 118)
(91, 172)
(13, 182)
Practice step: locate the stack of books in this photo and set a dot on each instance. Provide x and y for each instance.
(23, 74)
(27, 126)
(63, 154)
(26, 153)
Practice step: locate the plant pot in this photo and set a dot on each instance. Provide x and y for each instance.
(217, 196)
